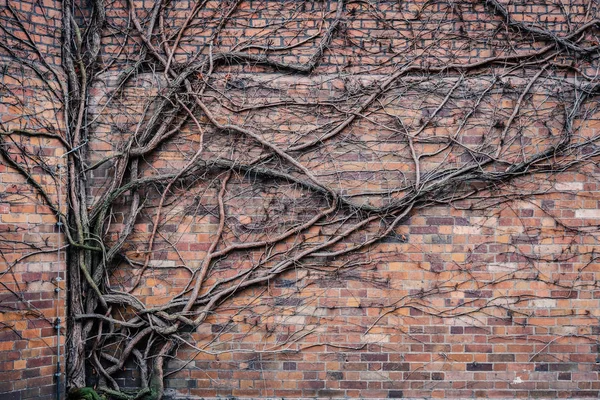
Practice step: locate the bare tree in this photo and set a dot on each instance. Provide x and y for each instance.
(219, 146)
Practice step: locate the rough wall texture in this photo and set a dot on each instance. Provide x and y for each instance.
(31, 265)
(487, 298)
(494, 295)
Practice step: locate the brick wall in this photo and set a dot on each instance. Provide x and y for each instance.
(465, 301)
(31, 266)
(490, 297)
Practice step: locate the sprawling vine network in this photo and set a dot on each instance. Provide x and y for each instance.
(217, 146)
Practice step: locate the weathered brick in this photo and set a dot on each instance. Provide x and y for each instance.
(457, 260)
(396, 366)
(479, 366)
